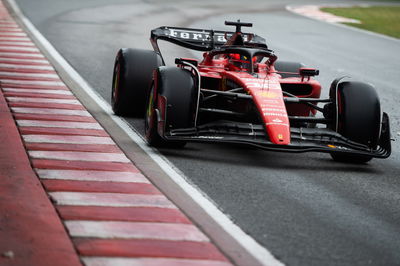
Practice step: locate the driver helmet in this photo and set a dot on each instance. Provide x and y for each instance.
(240, 61)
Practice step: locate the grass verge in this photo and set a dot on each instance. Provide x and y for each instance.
(380, 19)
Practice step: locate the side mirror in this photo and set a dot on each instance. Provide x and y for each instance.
(308, 72)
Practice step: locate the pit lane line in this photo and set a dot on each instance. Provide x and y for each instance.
(231, 239)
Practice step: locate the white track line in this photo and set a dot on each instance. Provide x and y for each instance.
(10, 24)
(19, 60)
(17, 48)
(14, 34)
(35, 91)
(67, 139)
(9, 27)
(80, 156)
(240, 247)
(14, 39)
(115, 261)
(135, 230)
(15, 29)
(42, 100)
(50, 111)
(34, 82)
(12, 43)
(58, 124)
(11, 66)
(85, 175)
(29, 75)
(111, 199)
(17, 55)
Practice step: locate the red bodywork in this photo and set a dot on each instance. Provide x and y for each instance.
(266, 90)
(239, 93)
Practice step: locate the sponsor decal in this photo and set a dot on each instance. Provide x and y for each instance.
(277, 120)
(280, 136)
(274, 114)
(181, 34)
(337, 147)
(274, 123)
(260, 81)
(207, 137)
(200, 35)
(269, 109)
(263, 85)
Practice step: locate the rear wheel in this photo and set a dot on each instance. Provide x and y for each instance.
(287, 66)
(132, 77)
(358, 117)
(179, 88)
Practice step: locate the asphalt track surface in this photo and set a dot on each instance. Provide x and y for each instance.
(305, 208)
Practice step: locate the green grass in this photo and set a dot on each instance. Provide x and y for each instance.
(380, 19)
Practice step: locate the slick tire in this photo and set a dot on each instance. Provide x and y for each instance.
(359, 117)
(132, 77)
(178, 86)
(287, 66)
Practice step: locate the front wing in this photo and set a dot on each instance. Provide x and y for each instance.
(302, 139)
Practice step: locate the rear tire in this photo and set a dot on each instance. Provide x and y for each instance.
(178, 86)
(287, 66)
(132, 77)
(359, 117)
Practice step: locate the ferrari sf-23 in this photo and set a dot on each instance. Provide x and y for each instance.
(240, 93)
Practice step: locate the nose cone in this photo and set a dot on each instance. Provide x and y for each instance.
(268, 97)
(278, 133)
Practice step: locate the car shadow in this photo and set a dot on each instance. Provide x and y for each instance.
(244, 155)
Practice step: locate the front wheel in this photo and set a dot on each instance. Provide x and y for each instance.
(357, 117)
(178, 87)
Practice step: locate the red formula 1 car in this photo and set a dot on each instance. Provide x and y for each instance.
(240, 93)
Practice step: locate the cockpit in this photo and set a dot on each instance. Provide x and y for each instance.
(241, 59)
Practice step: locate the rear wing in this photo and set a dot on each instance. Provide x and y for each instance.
(199, 39)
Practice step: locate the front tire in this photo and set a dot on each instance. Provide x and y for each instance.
(358, 117)
(132, 77)
(178, 87)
